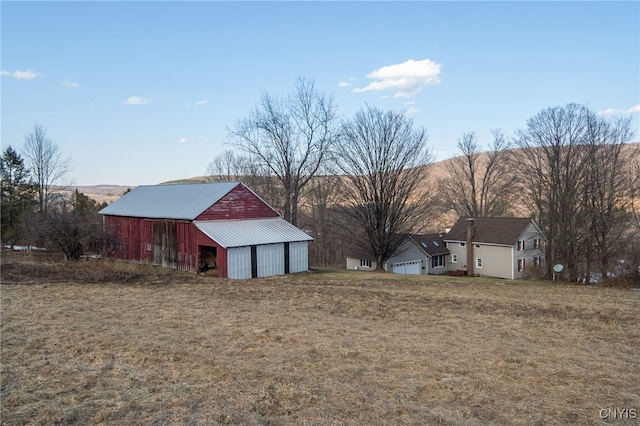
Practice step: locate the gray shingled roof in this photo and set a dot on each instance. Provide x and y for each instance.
(249, 232)
(181, 201)
(432, 244)
(490, 230)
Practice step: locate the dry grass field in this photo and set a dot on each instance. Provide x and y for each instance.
(110, 343)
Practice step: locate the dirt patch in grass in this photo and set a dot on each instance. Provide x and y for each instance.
(327, 348)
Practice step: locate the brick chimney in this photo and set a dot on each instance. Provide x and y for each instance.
(470, 234)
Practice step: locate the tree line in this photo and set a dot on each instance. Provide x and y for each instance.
(358, 183)
(34, 212)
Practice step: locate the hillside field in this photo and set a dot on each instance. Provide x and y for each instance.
(109, 343)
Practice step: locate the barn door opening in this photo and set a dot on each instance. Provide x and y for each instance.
(208, 260)
(165, 245)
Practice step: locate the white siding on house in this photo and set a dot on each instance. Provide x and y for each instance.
(528, 252)
(239, 263)
(270, 260)
(356, 263)
(496, 261)
(298, 257)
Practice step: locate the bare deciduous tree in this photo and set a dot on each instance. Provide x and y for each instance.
(607, 193)
(479, 184)
(574, 170)
(45, 162)
(228, 166)
(291, 138)
(321, 218)
(384, 160)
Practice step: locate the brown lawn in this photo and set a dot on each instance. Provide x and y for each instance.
(108, 343)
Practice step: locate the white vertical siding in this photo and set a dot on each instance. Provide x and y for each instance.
(298, 257)
(270, 259)
(239, 262)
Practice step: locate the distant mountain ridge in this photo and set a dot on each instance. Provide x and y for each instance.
(109, 193)
(102, 193)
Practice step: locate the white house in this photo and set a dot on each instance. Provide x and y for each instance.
(495, 246)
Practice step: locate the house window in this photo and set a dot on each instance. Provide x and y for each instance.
(478, 262)
(454, 258)
(477, 246)
(463, 244)
(536, 260)
(148, 246)
(521, 265)
(437, 261)
(536, 243)
(365, 262)
(520, 245)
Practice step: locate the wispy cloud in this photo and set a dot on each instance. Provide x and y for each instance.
(633, 109)
(137, 100)
(21, 75)
(405, 79)
(183, 140)
(70, 84)
(347, 83)
(410, 108)
(611, 111)
(196, 104)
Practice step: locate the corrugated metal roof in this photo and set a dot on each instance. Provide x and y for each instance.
(250, 232)
(181, 201)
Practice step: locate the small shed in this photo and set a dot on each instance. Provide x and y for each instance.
(223, 227)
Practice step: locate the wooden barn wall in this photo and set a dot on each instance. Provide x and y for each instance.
(133, 238)
(137, 241)
(239, 203)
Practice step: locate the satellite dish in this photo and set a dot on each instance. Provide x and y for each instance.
(558, 268)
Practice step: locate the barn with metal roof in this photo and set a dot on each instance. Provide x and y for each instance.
(223, 227)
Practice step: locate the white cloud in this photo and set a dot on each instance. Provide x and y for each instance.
(21, 75)
(633, 109)
(137, 100)
(183, 140)
(405, 79)
(611, 111)
(196, 104)
(411, 110)
(70, 84)
(344, 84)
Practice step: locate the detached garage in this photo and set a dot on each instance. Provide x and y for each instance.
(222, 227)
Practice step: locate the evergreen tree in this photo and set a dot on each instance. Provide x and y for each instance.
(17, 195)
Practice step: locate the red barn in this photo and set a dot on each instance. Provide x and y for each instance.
(195, 227)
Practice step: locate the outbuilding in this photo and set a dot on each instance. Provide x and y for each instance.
(223, 227)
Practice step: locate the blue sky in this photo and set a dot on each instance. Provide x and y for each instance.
(143, 92)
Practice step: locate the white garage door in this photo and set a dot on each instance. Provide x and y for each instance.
(409, 268)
